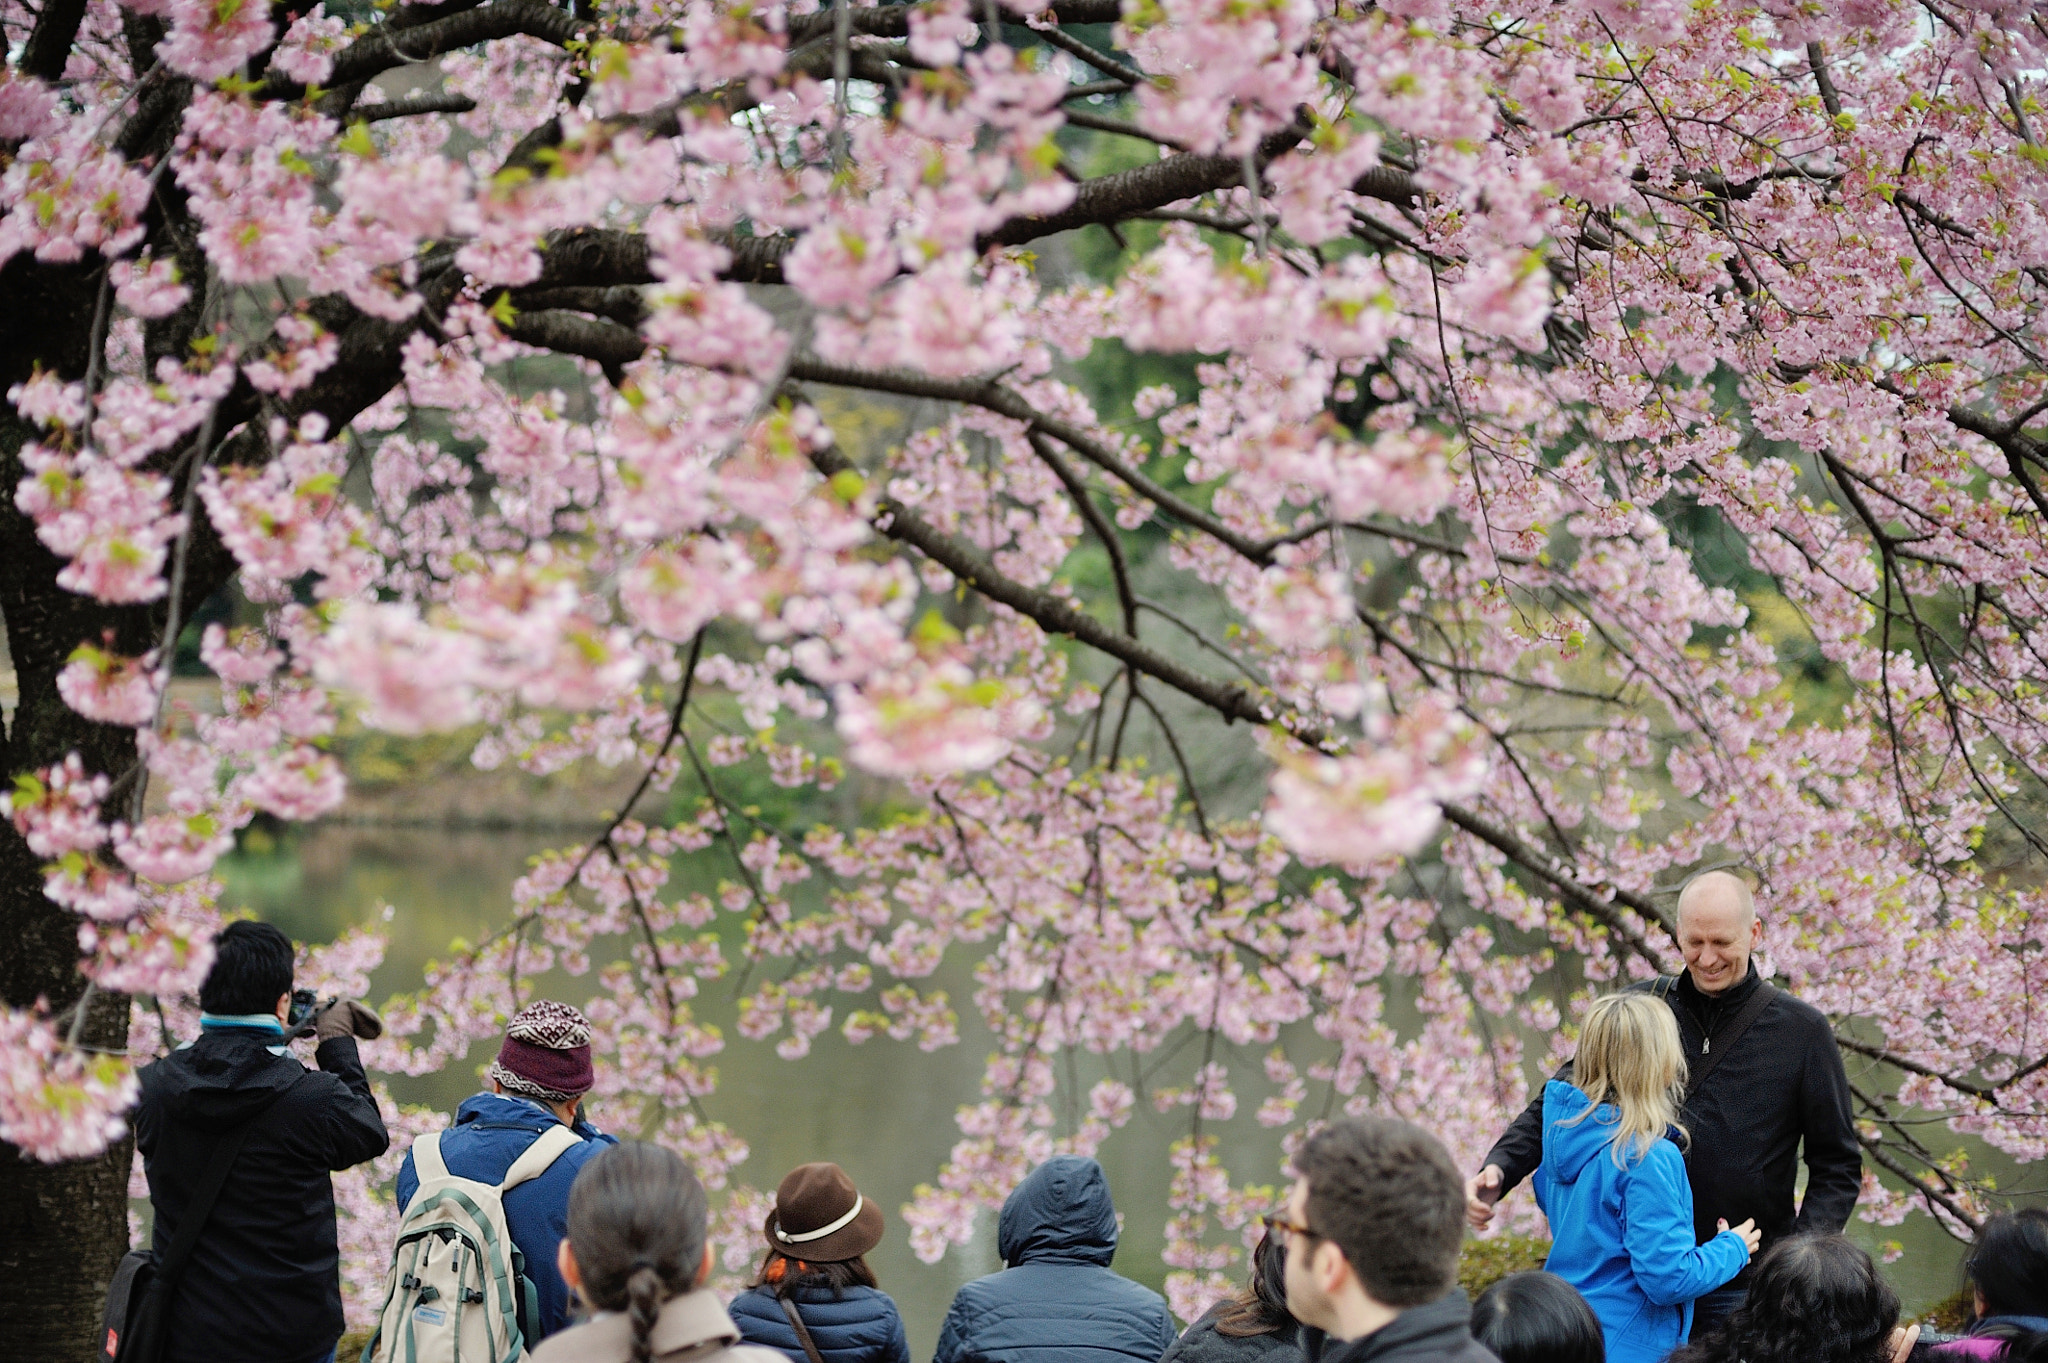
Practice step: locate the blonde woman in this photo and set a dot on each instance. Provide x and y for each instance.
(1613, 1183)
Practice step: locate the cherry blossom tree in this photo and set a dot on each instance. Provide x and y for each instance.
(1608, 444)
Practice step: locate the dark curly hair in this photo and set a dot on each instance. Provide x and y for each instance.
(1812, 1299)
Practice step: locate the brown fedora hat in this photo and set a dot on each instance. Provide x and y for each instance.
(821, 1218)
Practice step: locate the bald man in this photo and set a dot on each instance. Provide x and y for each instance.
(1776, 1083)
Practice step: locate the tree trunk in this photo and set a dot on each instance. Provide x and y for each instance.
(66, 1225)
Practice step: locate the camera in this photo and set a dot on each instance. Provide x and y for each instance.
(305, 1003)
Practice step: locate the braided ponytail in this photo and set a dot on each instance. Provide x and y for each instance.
(637, 1229)
(644, 1294)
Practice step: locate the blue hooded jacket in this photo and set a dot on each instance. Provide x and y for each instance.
(859, 1325)
(1058, 1299)
(1623, 1236)
(492, 1131)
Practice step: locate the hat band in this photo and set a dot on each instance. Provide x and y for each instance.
(803, 1237)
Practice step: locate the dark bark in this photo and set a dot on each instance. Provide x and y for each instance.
(66, 1224)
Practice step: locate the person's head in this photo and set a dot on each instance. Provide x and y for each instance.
(252, 972)
(1381, 1209)
(1537, 1318)
(1260, 1306)
(637, 1235)
(820, 1232)
(1630, 1055)
(1812, 1299)
(2008, 1264)
(546, 1057)
(1717, 930)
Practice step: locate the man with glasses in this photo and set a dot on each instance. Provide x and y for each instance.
(1372, 1232)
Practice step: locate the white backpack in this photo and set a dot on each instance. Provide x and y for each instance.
(458, 1290)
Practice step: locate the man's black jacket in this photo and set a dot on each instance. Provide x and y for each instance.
(1782, 1082)
(263, 1285)
(1438, 1332)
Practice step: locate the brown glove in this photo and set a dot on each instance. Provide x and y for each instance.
(346, 1017)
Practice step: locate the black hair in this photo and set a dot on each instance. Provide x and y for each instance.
(637, 1226)
(252, 970)
(2008, 1263)
(1812, 1299)
(788, 1276)
(1387, 1194)
(1537, 1318)
(1260, 1306)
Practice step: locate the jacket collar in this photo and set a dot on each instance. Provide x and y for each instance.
(501, 1109)
(1433, 1330)
(1713, 1005)
(690, 1325)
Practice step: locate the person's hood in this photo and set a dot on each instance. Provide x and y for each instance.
(1571, 1137)
(1062, 1211)
(224, 1078)
(497, 1109)
(1435, 1330)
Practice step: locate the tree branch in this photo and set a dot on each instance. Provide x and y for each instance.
(386, 48)
(1058, 616)
(1567, 887)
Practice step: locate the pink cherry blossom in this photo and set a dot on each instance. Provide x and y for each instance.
(104, 686)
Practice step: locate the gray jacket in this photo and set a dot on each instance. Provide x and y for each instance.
(692, 1328)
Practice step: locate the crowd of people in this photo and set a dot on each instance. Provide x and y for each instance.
(1665, 1157)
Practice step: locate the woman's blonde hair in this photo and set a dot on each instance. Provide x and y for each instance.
(1630, 1056)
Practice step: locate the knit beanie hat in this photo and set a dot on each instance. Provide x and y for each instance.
(546, 1054)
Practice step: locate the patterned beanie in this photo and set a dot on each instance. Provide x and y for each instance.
(546, 1054)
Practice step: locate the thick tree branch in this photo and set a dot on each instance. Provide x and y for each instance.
(49, 43)
(1126, 194)
(893, 21)
(412, 106)
(387, 47)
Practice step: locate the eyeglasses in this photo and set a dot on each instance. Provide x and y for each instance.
(1282, 1229)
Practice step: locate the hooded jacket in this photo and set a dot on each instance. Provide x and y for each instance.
(1058, 1299)
(263, 1284)
(857, 1325)
(492, 1131)
(1436, 1332)
(1780, 1089)
(1622, 1233)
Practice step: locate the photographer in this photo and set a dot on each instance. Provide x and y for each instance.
(262, 1285)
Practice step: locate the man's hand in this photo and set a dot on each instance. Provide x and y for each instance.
(1482, 1190)
(346, 1017)
(1751, 1236)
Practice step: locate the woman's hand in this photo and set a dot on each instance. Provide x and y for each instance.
(1903, 1340)
(1750, 1235)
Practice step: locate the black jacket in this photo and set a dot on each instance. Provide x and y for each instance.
(1783, 1083)
(1202, 1343)
(263, 1284)
(1058, 1302)
(1440, 1332)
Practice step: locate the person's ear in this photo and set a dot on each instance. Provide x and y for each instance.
(1329, 1267)
(704, 1269)
(284, 1007)
(565, 1261)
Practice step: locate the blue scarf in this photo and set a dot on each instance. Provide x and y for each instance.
(262, 1022)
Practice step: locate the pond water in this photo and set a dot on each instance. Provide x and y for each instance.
(884, 1110)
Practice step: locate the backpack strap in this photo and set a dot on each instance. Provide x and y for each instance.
(546, 1148)
(803, 1335)
(427, 1163)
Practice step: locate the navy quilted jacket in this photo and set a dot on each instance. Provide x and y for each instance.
(1058, 1301)
(860, 1326)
